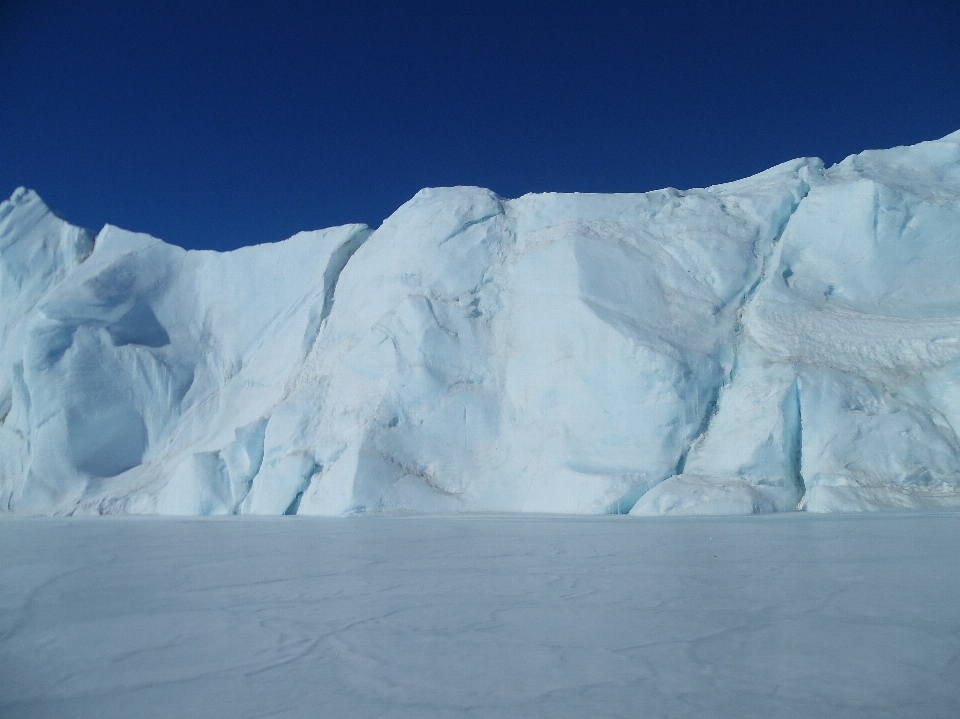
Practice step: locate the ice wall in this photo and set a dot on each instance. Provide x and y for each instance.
(787, 341)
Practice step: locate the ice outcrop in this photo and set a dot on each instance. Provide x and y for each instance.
(141, 371)
(791, 340)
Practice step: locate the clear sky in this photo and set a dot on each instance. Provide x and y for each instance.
(220, 124)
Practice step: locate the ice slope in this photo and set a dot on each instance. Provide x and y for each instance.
(789, 340)
(555, 353)
(845, 394)
(138, 369)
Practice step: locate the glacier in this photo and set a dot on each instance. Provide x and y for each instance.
(790, 341)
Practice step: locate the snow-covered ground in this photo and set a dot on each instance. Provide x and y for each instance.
(481, 616)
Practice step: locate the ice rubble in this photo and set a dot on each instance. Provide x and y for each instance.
(791, 340)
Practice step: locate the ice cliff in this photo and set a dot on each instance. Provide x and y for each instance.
(788, 341)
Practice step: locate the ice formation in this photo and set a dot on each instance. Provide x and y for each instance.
(787, 341)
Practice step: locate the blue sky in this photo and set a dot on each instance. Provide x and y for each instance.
(220, 124)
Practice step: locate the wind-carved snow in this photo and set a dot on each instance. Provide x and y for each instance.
(791, 340)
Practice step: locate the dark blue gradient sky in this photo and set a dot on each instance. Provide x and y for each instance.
(221, 124)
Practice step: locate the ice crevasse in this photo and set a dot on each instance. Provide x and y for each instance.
(786, 342)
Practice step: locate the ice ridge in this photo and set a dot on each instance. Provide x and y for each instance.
(788, 341)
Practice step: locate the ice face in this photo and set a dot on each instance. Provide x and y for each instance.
(140, 375)
(791, 340)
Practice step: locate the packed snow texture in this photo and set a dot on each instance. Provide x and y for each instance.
(523, 617)
(788, 341)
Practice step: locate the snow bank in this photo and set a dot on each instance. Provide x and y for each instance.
(787, 341)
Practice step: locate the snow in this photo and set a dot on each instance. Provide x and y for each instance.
(788, 341)
(846, 616)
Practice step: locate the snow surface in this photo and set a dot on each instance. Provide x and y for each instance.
(791, 340)
(799, 616)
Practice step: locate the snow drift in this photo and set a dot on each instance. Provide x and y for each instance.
(788, 341)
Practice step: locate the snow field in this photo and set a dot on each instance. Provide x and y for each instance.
(844, 616)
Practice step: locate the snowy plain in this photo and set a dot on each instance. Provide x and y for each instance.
(790, 615)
